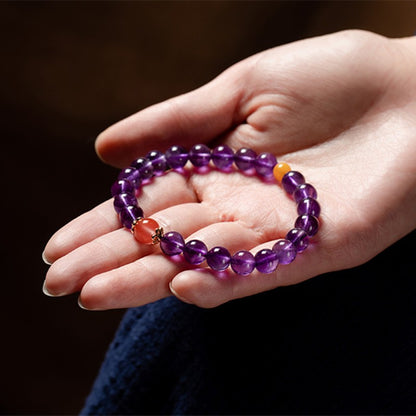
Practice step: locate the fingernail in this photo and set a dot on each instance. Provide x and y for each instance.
(45, 260)
(47, 293)
(81, 305)
(174, 293)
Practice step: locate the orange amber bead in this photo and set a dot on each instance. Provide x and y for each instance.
(144, 230)
(280, 170)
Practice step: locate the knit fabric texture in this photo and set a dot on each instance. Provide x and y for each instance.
(340, 343)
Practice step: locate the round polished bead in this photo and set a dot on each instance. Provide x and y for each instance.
(308, 223)
(285, 250)
(144, 230)
(303, 191)
(176, 156)
(266, 261)
(222, 157)
(243, 262)
(158, 161)
(299, 238)
(195, 251)
(264, 164)
(245, 158)
(292, 180)
(172, 243)
(144, 166)
(218, 258)
(123, 200)
(309, 206)
(132, 175)
(122, 186)
(129, 214)
(200, 155)
(280, 170)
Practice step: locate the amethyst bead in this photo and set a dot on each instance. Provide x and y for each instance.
(195, 251)
(304, 191)
(243, 262)
(299, 238)
(200, 155)
(124, 200)
(129, 214)
(308, 223)
(144, 166)
(218, 258)
(222, 157)
(132, 175)
(266, 261)
(292, 180)
(285, 250)
(172, 243)
(158, 161)
(309, 206)
(176, 156)
(264, 164)
(122, 186)
(245, 158)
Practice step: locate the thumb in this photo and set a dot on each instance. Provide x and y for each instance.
(197, 116)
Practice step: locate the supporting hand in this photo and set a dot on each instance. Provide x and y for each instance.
(339, 108)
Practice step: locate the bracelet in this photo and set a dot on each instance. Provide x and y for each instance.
(148, 231)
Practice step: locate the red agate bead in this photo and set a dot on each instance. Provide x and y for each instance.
(145, 231)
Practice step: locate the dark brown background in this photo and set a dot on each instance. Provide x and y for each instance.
(68, 70)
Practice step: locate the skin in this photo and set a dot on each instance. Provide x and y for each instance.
(339, 108)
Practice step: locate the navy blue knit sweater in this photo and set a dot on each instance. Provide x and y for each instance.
(340, 343)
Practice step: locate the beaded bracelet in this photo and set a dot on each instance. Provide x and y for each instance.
(148, 231)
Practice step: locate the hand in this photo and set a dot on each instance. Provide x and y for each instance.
(338, 108)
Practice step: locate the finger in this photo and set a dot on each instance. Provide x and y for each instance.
(206, 289)
(143, 281)
(100, 220)
(147, 279)
(196, 116)
(103, 219)
(118, 248)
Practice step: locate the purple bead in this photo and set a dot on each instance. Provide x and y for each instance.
(129, 214)
(172, 243)
(245, 158)
(218, 258)
(291, 181)
(200, 155)
(176, 156)
(266, 261)
(144, 166)
(285, 250)
(243, 262)
(304, 191)
(264, 164)
(132, 175)
(299, 238)
(123, 200)
(122, 186)
(309, 206)
(158, 161)
(308, 223)
(195, 251)
(222, 157)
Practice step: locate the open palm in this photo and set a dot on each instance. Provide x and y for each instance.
(339, 108)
